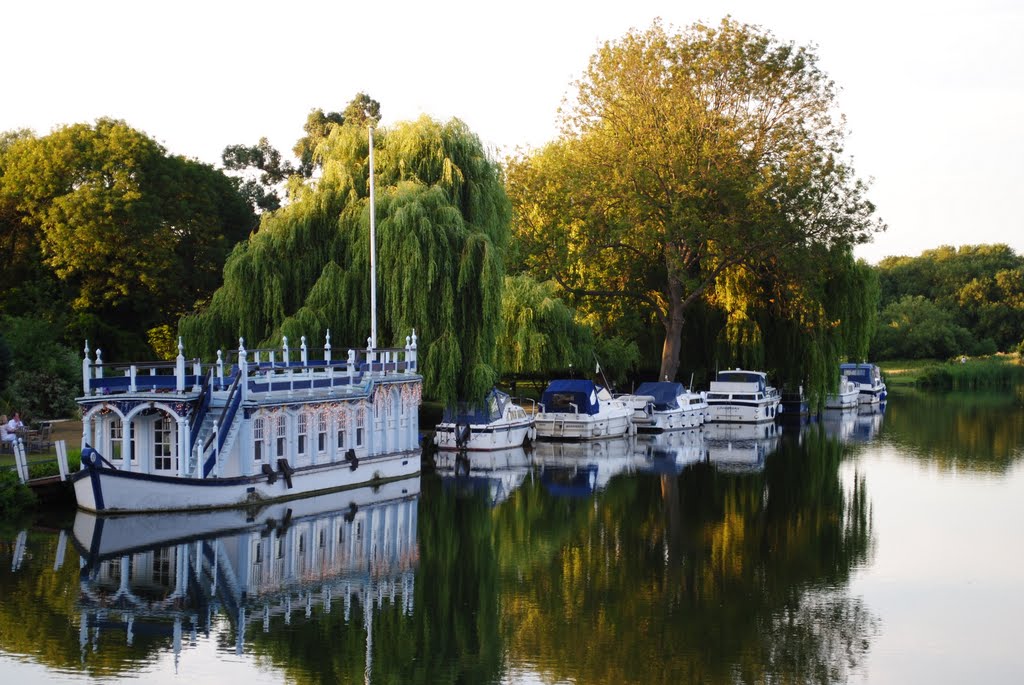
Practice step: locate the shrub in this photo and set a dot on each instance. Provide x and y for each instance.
(14, 497)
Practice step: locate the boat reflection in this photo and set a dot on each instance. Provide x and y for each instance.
(869, 422)
(171, 573)
(839, 424)
(579, 469)
(495, 474)
(739, 447)
(669, 453)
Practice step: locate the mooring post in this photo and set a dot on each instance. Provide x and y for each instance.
(62, 458)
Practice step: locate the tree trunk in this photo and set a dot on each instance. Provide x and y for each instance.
(673, 332)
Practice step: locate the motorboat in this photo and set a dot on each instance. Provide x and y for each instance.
(498, 423)
(868, 378)
(665, 406)
(847, 396)
(581, 410)
(740, 396)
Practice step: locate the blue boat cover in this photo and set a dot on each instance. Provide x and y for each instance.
(491, 409)
(559, 394)
(860, 373)
(665, 393)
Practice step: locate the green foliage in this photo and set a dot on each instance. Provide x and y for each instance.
(813, 311)
(687, 155)
(15, 498)
(980, 287)
(917, 328)
(539, 331)
(118, 229)
(442, 224)
(972, 374)
(46, 374)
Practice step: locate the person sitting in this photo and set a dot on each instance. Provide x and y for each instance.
(15, 425)
(6, 436)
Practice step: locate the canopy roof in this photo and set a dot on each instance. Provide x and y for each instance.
(560, 395)
(491, 409)
(665, 393)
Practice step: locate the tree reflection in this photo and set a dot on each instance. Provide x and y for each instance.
(973, 431)
(708, 577)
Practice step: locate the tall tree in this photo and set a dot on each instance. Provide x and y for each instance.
(263, 170)
(442, 224)
(683, 156)
(135, 235)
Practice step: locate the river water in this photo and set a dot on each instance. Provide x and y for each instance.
(866, 548)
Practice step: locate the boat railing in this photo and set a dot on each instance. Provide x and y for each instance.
(106, 379)
(263, 369)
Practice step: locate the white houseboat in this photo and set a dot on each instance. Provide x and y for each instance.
(665, 406)
(581, 410)
(868, 378)
(497, 424)
(739, 396)
(271, 425)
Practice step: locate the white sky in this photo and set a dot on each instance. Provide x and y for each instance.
(933, 91)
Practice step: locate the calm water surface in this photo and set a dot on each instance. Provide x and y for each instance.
(869, 548)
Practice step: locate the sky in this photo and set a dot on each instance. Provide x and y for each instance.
(933, 92)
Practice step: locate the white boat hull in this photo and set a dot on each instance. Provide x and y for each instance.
(750, 412)
(105, 536)
(848, 400)
(108, 490)
(485, 437)
(872, 394)
(583, 426)
(676, 419)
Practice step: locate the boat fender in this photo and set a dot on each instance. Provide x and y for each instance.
(286, 471)
(352, 459)
(350, 515)
(269, 472)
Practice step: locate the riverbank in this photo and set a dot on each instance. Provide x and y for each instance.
(995, 371)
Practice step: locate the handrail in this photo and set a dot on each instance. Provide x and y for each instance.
(223, 424)
(202, 408)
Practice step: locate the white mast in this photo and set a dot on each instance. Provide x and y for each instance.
(373, 254)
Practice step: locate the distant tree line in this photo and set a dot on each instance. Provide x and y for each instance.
(949, 302)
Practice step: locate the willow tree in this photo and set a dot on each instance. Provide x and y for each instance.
(442, 223)
(814, 309)
(683, 156)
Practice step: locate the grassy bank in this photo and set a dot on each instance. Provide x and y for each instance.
(996, 371)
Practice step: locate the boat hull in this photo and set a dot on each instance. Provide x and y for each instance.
(106, 490)
(848, 400)
(582, 426)
(484, 437)
(103, 537)
(662, 421)
(872, 394)
(737, 412)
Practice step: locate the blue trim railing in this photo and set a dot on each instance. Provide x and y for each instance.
(224, 422)
(202, 409)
